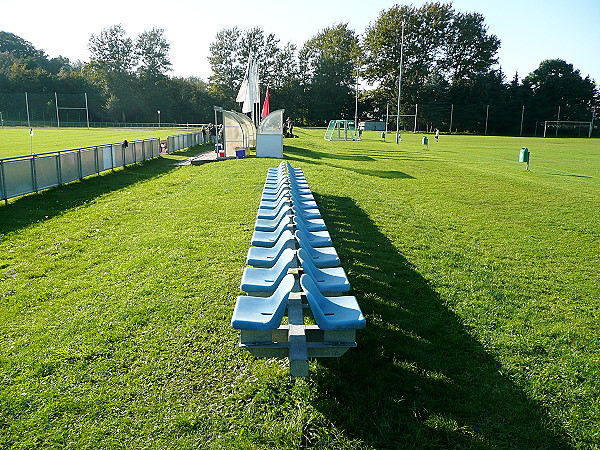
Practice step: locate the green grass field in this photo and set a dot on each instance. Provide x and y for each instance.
(16, 141)
(479, 282)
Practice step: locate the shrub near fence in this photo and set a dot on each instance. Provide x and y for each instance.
(21, 175)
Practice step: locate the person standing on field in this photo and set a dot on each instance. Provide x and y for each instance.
(437, 135)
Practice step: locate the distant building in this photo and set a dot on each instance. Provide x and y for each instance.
(372, 125)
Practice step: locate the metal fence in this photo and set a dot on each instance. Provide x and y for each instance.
(20, 175)
(181, 141)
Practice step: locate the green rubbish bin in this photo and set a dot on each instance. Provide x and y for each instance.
(524, 155)
(425, 140)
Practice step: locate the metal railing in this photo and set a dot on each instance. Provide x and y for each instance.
(21, 175)
(181, 141)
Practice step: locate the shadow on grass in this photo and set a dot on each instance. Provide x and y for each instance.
(301, 155)
(311, 156)
(314, 154)
(33, 208)
(418, 379)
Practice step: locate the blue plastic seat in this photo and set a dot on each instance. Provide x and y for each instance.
(268, 256)
(308, 204)
(274, 180)
(268, 238)
(315, 238)
(280, 169)
(308, 213)
(301, 197)
(275, 197)
(330, 279)
(311, 224)
(261, 280)
(268, 213)
(321, 256)
(274, 189)
(262, 313)
(300, 191)
(292, 169)
(274, 205)
(332, 313)
(272, 224)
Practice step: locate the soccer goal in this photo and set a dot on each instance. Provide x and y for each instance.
(341, 130)
(568, 128)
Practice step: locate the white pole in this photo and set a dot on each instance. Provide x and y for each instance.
(557, 120)
(356, 105)
(487, 115)
(416, 112)
(451, 116)
(387, 117)
(591, 123)
(398, 137)
(57, 116)
(27, 105)
(87, 111)
(522, 114)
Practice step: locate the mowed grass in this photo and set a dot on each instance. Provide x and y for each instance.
(16, 141)
(478, 280)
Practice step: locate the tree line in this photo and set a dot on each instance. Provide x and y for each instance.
(449, 59)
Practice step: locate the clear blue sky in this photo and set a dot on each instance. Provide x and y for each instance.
(530, 30)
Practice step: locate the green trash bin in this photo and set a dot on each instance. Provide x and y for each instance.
(524, 155)
(425, 140)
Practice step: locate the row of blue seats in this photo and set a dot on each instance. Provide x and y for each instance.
(290, 233)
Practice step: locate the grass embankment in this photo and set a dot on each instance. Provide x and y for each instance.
(16, 141)
(478, 280)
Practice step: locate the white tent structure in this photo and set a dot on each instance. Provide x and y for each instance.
(269, 141)
(239, 133)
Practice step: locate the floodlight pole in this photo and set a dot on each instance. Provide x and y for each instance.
(27, 105)
(522, 114)
(356, 104)
(57, 116)
(398, 137)
(87, 110)
(387, 117)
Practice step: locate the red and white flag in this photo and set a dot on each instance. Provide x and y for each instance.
(266, 105)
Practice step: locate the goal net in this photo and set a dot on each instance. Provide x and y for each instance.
(567, 128)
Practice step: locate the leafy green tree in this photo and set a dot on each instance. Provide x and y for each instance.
(113, 51)
(153, 52)
(228, 58)
(438, 42)
(556, 83)
(469, 50)
(328, 63)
